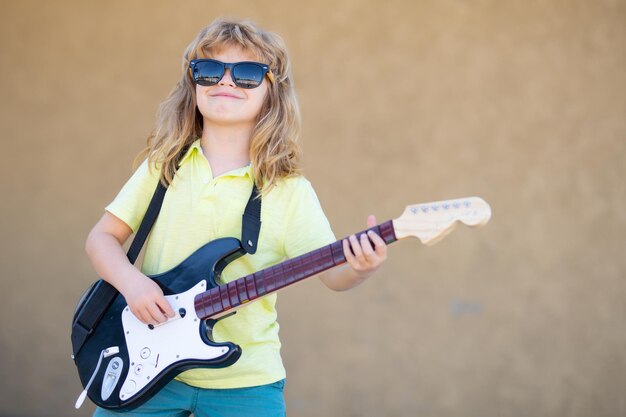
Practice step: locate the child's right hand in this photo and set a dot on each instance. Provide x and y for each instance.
(146, 300)
(104, 247)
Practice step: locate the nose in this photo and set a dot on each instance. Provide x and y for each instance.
(227, 78)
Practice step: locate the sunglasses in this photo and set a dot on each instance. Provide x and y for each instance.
(245, 74)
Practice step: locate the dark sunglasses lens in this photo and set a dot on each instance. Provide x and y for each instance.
(248, 75)
(208, 72)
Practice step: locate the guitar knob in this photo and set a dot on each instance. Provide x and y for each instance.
(130, 386)
(145, 353)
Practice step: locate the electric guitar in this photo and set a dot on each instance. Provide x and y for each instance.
(124, 362)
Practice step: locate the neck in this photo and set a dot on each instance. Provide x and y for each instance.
(218, 300)
(226, 147)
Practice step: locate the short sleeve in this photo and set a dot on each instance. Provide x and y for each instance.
(306, 225)
(132, 201)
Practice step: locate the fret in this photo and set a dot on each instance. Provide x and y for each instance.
(260, 284)
(304, 265)
(271, 280)
(251, 287)
(311, 264)
(216, 299)
(224, 297)
(268, 279)
(209, 305)
(292, 269)
(233, 295)
(324, 257)
(279, 271)
(337, 253)
(279, 274)
(241, 290)
(200, 305)
(308, 266)
(286, 270)
(201, 301)
(298, 269)
(286, 276)
(386, 231)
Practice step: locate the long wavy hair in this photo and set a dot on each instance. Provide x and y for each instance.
(274, 149)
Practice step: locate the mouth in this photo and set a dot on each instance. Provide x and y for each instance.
(225, 95)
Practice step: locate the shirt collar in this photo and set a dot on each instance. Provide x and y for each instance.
(195, 149)
(241, 172)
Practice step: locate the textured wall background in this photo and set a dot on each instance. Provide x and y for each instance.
(520, 102)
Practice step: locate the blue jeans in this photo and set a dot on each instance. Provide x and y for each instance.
(177, 400)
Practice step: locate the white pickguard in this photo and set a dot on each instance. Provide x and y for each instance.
(151, 351)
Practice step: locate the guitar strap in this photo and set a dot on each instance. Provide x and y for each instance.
(100, 295)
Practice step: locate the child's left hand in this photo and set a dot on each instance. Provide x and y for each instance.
(362, 257)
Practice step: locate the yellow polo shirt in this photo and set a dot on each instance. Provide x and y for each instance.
(199, 208)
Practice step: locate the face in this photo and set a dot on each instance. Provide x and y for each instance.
(224, 103)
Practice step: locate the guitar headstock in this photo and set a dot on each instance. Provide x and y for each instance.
(431, 222)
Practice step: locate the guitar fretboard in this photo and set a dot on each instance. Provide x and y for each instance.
(243, 290)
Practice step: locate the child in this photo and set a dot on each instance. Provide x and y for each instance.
(231, 121)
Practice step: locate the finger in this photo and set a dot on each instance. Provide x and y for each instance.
(145, 317)
(366, 246)
(138, 313)
(347, 252)
(156, 314)
(165, 307)
(371, 220)
(356, 247)
(379, 244)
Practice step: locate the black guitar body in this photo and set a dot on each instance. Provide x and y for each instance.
(126, 379)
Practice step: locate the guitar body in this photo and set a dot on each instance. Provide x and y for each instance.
(148, 357)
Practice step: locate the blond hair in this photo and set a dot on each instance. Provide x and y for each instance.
(274, 149)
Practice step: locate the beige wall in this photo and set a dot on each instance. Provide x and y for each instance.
(520, 102)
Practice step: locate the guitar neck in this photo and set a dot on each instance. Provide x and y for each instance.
(225, 297)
